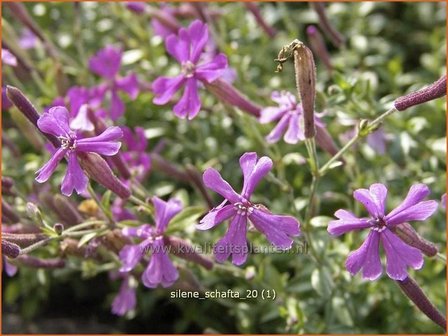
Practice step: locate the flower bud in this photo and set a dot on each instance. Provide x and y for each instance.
(433, 91)
(66, 210)
(230, 95)
(58, 228)
(34, 213)
(24, 105)
(23, 239)
(98, 169)
(407, 234)
(7, 183)
(9, 249)
(306, 84)
(318, 45)
(182, 249)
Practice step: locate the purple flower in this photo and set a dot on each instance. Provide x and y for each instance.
(135, 154)
(56, 122)
(106, 63)
(399, 255)
(9, 268)
(187, 48)
(290, 116)
(238, 207)
(160, 269)
(8, 58)
(126, 298)
(136, 6)
(27, 39)
(120, 212)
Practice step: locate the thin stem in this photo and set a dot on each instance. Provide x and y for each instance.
(441, 257)
(348, 145)
(83, 225)
(101, 207)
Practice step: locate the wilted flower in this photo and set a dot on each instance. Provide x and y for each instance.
(238, 207)
(106, 63)
(56, 122)
(160, 269)
(399, 254)
(187, 48)
(290, 116)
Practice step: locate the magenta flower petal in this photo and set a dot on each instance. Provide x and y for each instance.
(102, 148)
(233, 243)
(9, 268)
(366, 258)
(106, 62)
(82, 121)
(270, 114)
(165, 87)
(373, 199)
(399, 256)
(261, 168)
(125, 300)
(212, 70)
(160, 269)
(347, 222)
(292, 135)
(8, 58)
(165, 211)
(278, 130)
(247, 164)
(44, 173)
(213, 180)
(130, 255)
(277, 229)
(55, 121)
(415, 195)
(418, 212)
(128, 84)
(178, 47)
(74, 178)
(216, 216)
(284, 98)
(143, 231)
(112, 133)
(190, 104)
(198, 33)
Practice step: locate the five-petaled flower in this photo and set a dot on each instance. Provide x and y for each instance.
(56, 122)
(160, 269)
(187, 49)
(277, 229)
(399, 255)
(290, 116)
(106, 63)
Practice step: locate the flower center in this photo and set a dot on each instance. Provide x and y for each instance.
(69, 141)
(188, 69)
(244, 208)
(379, 224)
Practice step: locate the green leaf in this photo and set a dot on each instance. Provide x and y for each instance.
(86, 238)
(186, 218)
(320, 221)
(105, 200)
(322, 282)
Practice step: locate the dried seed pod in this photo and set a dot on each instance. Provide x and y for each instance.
(431, 92)
(98, 169)
(305, 71)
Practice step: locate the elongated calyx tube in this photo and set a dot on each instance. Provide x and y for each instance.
(29, 111)
(431, 92)
(9, 213)
(184, 250)
(412, 290)
(98, 169)
(335, 37)
(305, 71)
(23, 239)
(255, 10)
(66, 211)
(411, 237)
(34, 262)
(230, 95)
(9, 249)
